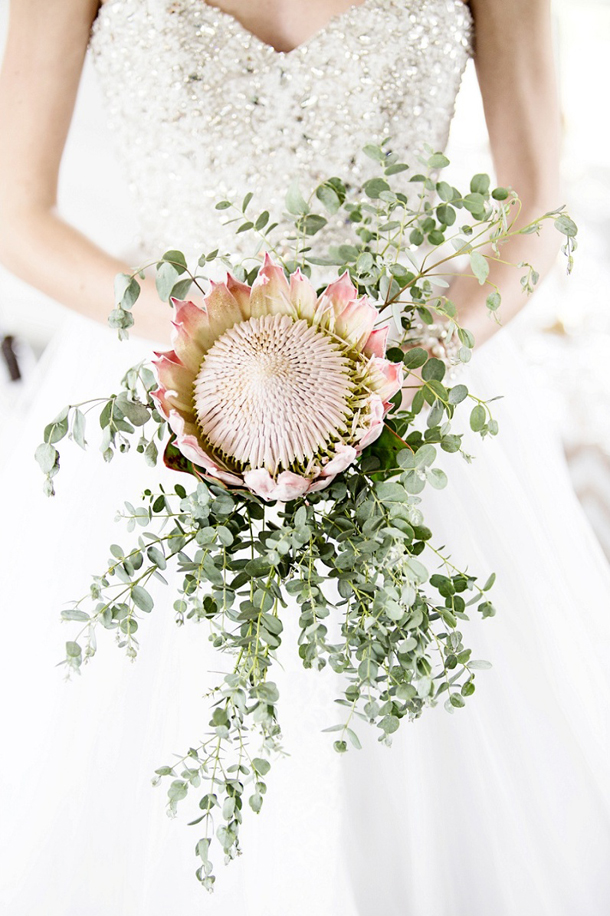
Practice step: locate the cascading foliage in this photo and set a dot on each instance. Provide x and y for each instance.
(301, 467)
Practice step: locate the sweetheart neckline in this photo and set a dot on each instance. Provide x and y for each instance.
(238, 28)
(336, 19)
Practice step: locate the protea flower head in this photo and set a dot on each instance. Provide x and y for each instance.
(272, 387)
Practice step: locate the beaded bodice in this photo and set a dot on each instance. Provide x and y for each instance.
(202, 110)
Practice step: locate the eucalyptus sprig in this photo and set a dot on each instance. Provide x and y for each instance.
(409, 239)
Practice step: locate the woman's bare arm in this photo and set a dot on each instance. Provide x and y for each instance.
(516, 73)
(39, 80)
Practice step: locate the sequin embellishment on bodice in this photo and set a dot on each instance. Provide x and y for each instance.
(201, 109)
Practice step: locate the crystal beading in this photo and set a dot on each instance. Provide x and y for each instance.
(202, 110)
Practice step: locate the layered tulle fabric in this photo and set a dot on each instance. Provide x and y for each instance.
(499, 809)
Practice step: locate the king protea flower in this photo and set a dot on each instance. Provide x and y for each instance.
(272, 387)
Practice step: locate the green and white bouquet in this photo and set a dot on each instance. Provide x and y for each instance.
(301, 461)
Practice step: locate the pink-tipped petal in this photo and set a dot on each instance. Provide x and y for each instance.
(241, 294)
(270, 291)
(377, 412)
(189, 445)
(344, 456)
(260, 482)
(340, 292)
(321, 484)
(187, 442)
(222, 308)
(377, 342)
(165, 401)
(356, 322)
(333, 300)
(291, 486)
(302, 295)
(175, 382)
(188, 314)
(377, 409)
(288, 485)
(191, 335)
(387, 379)
(226, 477)
(190, 448)
(373, 433)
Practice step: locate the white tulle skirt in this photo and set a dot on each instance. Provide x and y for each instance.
(502, 809)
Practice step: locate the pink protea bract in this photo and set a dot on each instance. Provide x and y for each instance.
(272, 387)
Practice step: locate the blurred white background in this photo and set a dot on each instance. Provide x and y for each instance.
(566, 327)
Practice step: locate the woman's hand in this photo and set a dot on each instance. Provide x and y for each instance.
(470, 297)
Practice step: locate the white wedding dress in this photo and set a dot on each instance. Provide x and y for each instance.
(502, 809)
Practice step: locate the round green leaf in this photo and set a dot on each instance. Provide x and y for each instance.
(457, 394)
(46, 456)
(142, 599)
(477, 418)
(261, 766)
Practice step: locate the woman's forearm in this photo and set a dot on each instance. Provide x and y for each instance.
(515, 62)
(41, 70)
(470, 297)
(48, 253)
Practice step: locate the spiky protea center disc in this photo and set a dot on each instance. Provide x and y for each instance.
(271, 392)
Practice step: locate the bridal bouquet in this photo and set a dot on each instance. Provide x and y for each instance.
(285, 407)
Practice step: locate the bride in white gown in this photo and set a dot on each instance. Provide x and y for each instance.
(500, 810)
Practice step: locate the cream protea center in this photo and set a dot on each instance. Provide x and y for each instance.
(273, 387)
(271, 393)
